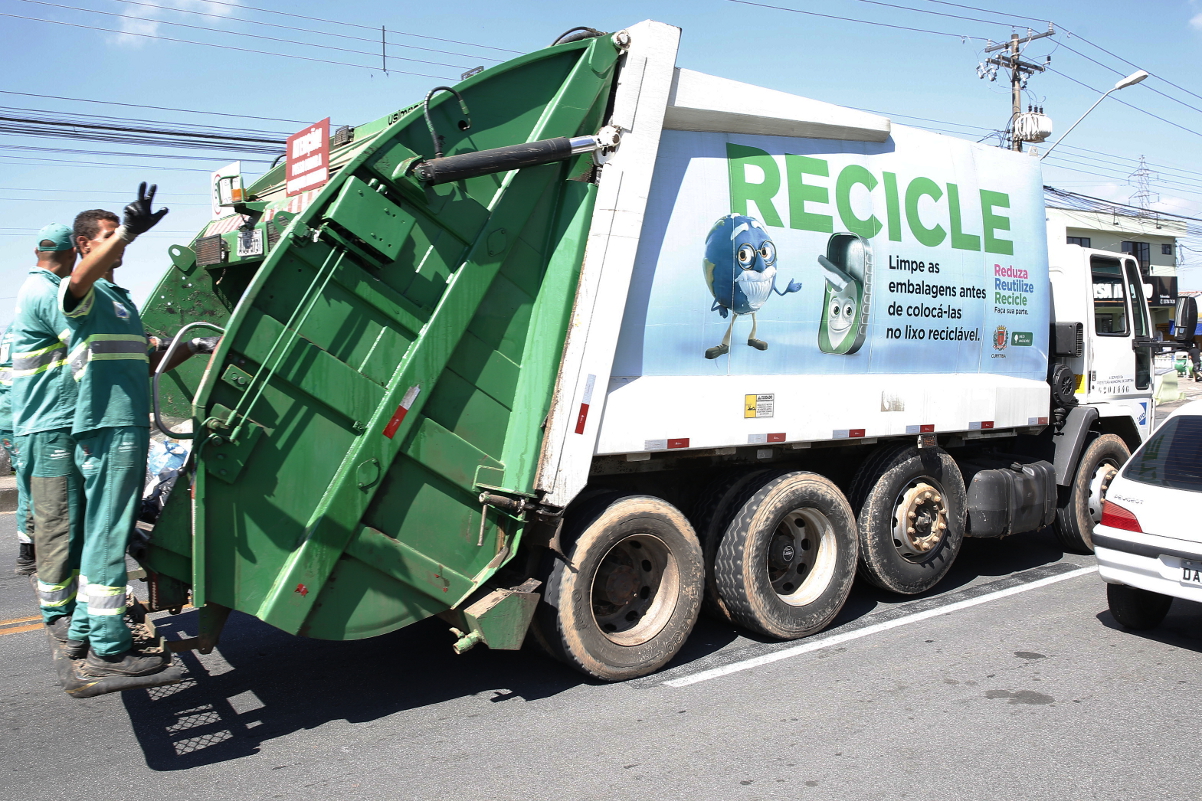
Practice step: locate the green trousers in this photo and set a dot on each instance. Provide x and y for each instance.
(57, 502)
(113, 464)
(24, 515)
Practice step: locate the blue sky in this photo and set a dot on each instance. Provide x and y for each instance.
(930, 77)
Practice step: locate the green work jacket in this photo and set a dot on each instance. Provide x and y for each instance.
(43, 392)
(109, 358)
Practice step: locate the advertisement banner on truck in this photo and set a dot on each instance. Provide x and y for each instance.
(766, 255)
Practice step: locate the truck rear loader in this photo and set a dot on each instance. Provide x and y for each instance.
(590, 341)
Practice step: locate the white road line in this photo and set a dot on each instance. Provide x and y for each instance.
(839, 639)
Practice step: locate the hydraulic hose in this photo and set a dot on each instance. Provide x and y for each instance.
(503, 159)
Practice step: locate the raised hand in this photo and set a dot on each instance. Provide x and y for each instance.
(138, 218)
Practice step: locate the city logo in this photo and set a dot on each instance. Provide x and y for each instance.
(999, 338)
(120, 310)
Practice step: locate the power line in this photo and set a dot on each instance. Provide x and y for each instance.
(86, 198)
(76, 164)
(1118, 72)
(74, 129)
(1125, 103)
(1070, 33)
(852, 19)
(301, 30)
(153, 108)
(77, 152)
(358, 25)
(942, 14)
(1128, 63)
(219, 46)
(237, 33)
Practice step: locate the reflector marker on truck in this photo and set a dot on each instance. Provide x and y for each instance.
(760, 439)
(1037, 421)
(584, 403)
(402, 410)
(978, 426)
(665, 444)
(925, 428)
(848, 433)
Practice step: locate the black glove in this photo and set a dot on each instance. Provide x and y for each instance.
(138, 217)
(203, 344)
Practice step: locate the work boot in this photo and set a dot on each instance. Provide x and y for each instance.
(27, 563)
(59, 628)
(129, 663)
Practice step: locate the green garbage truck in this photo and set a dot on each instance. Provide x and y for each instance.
(588, 342)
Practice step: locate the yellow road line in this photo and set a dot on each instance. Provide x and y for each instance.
(19, 620)
(19, 629)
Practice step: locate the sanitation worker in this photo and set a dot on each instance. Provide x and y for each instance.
(43, 407)
(109, 357)
(26, 561)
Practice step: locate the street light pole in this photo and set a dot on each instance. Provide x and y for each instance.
(1130, 80)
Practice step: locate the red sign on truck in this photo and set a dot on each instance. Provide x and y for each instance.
(308, 158)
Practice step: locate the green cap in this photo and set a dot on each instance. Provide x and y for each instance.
(55, 236)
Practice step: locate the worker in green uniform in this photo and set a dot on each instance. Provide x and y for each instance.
(109, 357)
(26, 564)
(26, 561)
(43, 406)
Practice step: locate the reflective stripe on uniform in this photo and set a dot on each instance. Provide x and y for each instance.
(6, 377)
(104, 600)
(81, 601)
(107, 347)
(59, 594)
(39, 361)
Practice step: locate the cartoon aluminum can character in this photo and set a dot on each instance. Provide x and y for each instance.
(847, 301)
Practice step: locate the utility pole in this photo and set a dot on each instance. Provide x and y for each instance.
(1019, 68)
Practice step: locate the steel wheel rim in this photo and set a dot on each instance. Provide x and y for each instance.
(802, 555)
(920, 519)
(1098, 486)
(633, 593)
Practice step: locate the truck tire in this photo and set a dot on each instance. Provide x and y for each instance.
(711, 515)
(902, 485)
(1082, 507)
(787, 559)
(630, 591)
(1136, 609)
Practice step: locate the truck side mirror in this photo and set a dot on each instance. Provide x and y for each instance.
(1185, 319)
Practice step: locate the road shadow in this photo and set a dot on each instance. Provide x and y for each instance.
(263, 683)
(1182, 627)
(979, 558)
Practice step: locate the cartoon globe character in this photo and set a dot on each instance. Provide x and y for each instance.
(740, 271)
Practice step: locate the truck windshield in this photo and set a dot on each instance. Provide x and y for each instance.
(1173, 456)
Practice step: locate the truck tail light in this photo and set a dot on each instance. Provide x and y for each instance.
(1116, 516)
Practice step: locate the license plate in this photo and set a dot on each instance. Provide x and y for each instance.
(250, 243)
(1191, 572)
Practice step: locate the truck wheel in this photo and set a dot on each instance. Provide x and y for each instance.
(1082, 509)
(630, 592)
(710, 518)
(1137, 609)
(787, 559)
(912, 508)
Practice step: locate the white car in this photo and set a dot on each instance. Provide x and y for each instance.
(1149, 541)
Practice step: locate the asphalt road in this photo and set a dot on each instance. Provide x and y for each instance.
(1011, 681)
